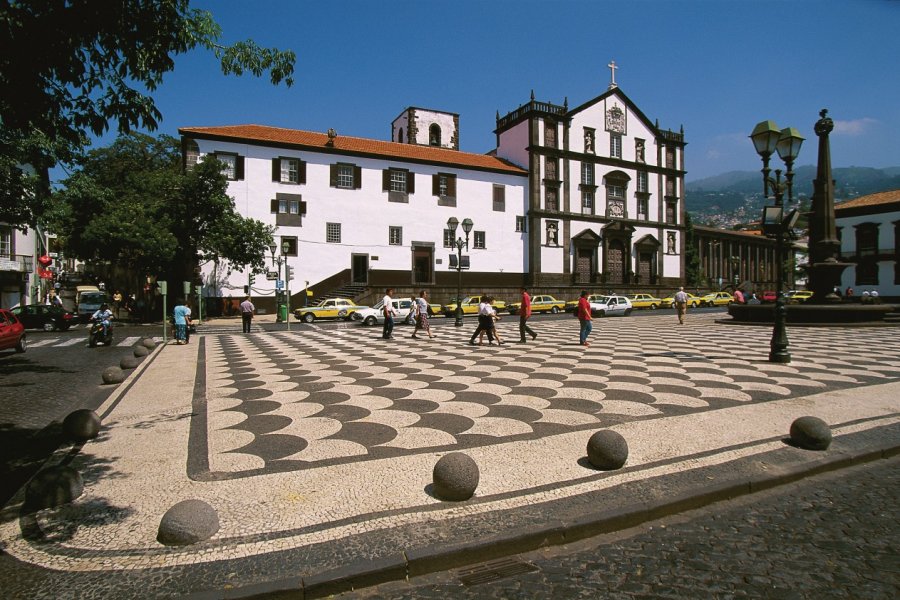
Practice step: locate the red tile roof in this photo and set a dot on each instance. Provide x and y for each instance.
(871, 200)
(277, 136)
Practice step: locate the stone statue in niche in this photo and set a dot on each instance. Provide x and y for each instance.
(670, 239)
(552, 239)
(589, 142)
(639, 150)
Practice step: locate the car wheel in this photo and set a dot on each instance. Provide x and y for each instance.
(554, 310)
(355, 316)
(652, 307)
(342, 314)
(22, 345)
(627, 312)
(49, 326)
(601, 313)
(694, 305)
(370, 320)
(309, 317)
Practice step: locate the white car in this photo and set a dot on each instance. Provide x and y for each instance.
(611, 306)
(375, 315)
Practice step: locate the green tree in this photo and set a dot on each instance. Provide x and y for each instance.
(131, 203)
(69, 68)
(692, 276)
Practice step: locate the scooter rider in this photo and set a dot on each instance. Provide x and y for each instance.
(103, 315)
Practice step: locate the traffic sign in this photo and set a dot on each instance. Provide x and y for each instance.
(279, 285)
(271, 275)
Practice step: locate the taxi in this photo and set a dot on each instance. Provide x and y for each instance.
(541, 303)
(470, 306)
(571, 305)
(669, 301)
(716, 299)
(645, 301)
(331, 308)
(798, 296)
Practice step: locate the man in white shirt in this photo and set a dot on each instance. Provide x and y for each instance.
(485, 316)
(387, 306)
(681, 299)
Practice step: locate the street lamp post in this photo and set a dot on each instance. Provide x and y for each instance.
(452, 224)
(277, 261)
(767, 139)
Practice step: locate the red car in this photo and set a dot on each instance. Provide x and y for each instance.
(12, 332)
(769, 296)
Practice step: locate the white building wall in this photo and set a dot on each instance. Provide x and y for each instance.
(886, 244)
(366, 214)
(424, 120)
(514, 143)
(401, 122)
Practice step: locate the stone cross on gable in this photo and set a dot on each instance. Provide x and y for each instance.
(612, 69)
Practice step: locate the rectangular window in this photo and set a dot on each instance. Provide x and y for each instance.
(587, 173)
(395, 236)
(345, 176)
(479, 240)
(333, 233)
(448, 239)
(670, 158)
(643, 212)
(232, 165)
(443, 185)
(5, 241)
(551, 169)
(550, 134)
(671, 213)
(499, 198)
(398, 181)
(670, 186)
(290, 170)
(551, 199)
(587, 202)
(615, 145)
(615, 191)
(288, 207)
(520, 225)
(291, 246)
(642, 182)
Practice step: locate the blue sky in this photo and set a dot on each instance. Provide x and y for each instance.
(715, 67)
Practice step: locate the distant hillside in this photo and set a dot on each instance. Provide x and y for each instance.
(736, 197)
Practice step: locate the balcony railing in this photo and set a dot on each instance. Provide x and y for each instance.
(534, 105)
(22, 263)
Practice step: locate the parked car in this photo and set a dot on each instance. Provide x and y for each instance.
(43, 316)
(540, 303)
(331, 308)
(669, 301)
(798, 296)
(375, 315)
(612, 306)
(88, 299)
(470, 306)
(571, 305)
(716, 299)
(768, 296)
(12, 332)
(645, 301)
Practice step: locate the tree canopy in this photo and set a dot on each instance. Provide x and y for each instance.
(131, 203)
(69, 68)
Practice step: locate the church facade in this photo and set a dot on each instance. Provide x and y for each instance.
(588, 197)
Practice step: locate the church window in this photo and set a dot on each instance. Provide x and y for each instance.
(552, 233)
(479, 242)
(671, 212)
(615, 145)
(642, 181)
(191, 154)
(643, 209)
(615, 200)
(520, 224)
(587, 173)
(551, 168)
(333, 233)
(670, 187)
(587, 202)
(434, 135)
(400, 136)
(499, 198)
(670, 157)
(395, 236)
(550, 134)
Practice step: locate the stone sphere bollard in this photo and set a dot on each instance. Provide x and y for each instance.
(81, 425)
(129, 362)
(148, 343)
(607, 450)
(113, 375)
(53, 487)
(188, 522)
(811, 433)
(455, 477)
(140, 351)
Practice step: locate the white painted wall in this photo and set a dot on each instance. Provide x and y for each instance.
(886, 285)
(424, 120)
(513, 144)
(400, 122)
(366, 214)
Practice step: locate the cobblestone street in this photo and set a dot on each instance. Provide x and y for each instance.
(830, 536)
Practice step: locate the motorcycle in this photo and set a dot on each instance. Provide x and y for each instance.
(97, 335)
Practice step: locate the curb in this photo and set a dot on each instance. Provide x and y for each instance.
(443, 557)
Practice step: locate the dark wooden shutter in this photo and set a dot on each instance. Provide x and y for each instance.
(436, 184)
(410, 182)
(274, 205)
(451, 186)
(334, 176)
(386, 180)
(239, 168)
(357, 177)
(276, 169)
(301, 172)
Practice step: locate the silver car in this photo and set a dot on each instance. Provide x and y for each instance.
(375, 316)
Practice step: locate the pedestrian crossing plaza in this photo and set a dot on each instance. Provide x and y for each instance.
(282, 402)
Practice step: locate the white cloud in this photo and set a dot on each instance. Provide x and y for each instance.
(854, 127)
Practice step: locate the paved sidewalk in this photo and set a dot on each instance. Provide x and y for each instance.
(317, 449)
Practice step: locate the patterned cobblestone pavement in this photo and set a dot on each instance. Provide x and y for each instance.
(830, 536)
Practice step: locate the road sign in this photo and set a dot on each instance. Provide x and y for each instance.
(279, 285)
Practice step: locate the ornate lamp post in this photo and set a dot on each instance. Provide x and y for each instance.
(277, 261)
(452, 224)
(767, 139)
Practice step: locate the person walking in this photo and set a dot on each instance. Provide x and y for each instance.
(247, 310)
(681, 304)
(524, 315)
(584, 317)
(739, 296)
(387, 306)
(182, 318)
(117, 303)
(422, 315)
(485, 321)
